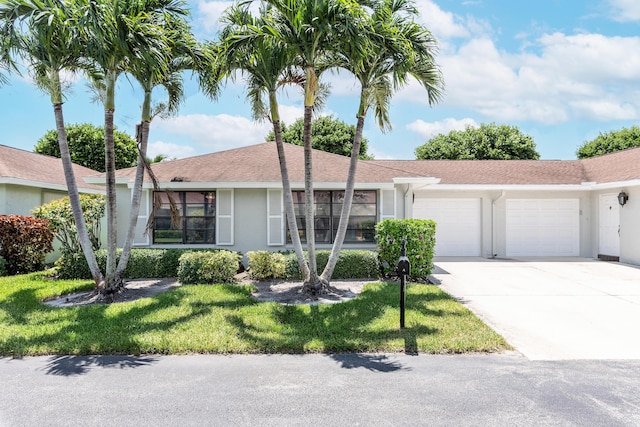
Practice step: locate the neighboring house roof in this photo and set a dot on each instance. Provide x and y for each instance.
(22, 167)
(259, 164)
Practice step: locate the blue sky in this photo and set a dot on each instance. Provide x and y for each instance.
(562, 71)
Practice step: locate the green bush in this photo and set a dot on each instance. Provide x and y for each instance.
(3, 267)
(420, 236)
(60, 217)
(266, 265)
(24, 243)
(208, 267)
(143, 263)
(352, 264)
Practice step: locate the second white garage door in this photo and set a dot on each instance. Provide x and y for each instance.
(457, 224)
(543, 227)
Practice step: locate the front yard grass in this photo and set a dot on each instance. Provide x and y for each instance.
(224, 319)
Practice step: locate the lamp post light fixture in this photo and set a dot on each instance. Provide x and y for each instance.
(623, 198)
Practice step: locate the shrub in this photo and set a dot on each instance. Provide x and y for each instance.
(143, 263)
(24, 243)
(208, 267)
(266, 265)
(3, 267)
(60, 217)
(352, 264)
(420, 237)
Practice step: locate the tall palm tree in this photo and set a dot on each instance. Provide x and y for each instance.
(311, 29)
(267, 66)
(397, 48)
(44, 34)
(182, 54)
(118, 34)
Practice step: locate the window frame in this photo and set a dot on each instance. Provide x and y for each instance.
(186, 228)
(329, 220)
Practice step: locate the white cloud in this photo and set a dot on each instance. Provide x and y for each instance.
(625, 10)
(290, 113)
(209, 13)
(216, 132)
(442, 24)
(429, 130)
(584, 76)
(173, 151)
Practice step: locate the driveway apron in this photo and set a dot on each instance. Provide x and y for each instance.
(551, 309)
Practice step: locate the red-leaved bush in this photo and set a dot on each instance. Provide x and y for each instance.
(24, 242)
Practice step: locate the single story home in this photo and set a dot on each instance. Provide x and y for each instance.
(494, 208)
(28, 180)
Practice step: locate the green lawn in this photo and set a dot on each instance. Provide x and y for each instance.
(224, 319)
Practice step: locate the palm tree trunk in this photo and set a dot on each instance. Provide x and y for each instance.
(286, 187)
(74, 198)
(346, 204)
(143, 139)
(312, 286)
(112, 286)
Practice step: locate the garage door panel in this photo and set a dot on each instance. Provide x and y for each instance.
(458, 226)
(543, 227)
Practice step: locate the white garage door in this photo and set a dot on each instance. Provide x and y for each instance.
(543, 227)
(457, 224)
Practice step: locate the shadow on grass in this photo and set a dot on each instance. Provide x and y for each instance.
(364, 324)
(79, 365)
(104, 329)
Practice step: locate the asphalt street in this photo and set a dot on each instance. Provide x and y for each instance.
(318, 390)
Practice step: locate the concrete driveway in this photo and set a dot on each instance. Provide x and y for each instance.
(551, 309)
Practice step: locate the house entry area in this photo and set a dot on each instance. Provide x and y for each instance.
(609, 227)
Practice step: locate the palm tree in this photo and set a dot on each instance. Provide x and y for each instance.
(397, 47)
(118, 35)
(44, 34)
(267, 66)
(311, 29)
(182, 54)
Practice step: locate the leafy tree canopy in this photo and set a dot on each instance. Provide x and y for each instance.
(488, 142)
(610, 142)
(328, 134)
(86, 144)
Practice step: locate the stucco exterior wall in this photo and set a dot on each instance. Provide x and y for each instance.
(19, 199)
(630, 228)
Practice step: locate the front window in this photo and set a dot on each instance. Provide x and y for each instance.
(195, 221)
(327, 208)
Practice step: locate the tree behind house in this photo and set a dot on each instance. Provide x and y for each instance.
(327, 134)
(487, 142)
(86, 145)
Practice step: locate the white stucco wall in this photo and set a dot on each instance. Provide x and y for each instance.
(630, 228)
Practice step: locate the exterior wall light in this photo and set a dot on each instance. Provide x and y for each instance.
(623, 198)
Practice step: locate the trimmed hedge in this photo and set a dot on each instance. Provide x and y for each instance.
(421, 240)
(208, 267)
(352, 264)
(3, 267)
(143, 263)
(266, 265)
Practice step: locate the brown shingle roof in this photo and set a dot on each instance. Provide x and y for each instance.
(502, 172)
(619, 166)
(46, 171)
(259, 163)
